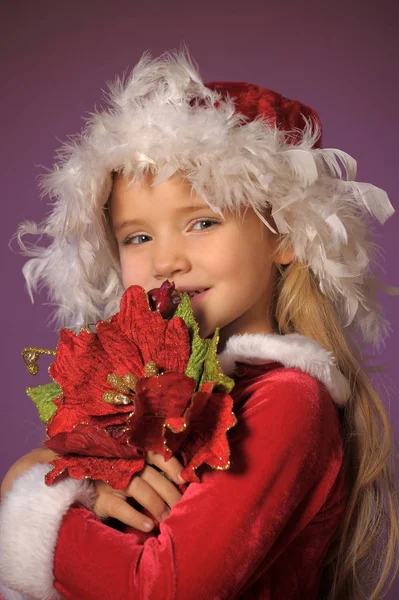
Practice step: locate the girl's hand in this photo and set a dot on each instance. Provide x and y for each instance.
(39, 455)
(151, 489)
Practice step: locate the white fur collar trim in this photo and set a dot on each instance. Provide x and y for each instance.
(292, 350)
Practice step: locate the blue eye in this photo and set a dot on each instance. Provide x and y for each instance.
(206, 222)
(135, 240)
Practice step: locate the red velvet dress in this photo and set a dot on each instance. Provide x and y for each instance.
(258, 531)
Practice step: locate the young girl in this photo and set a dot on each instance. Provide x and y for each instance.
(224, 189)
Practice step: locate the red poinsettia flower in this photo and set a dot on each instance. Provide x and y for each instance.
(125, 392)
(121, 346)
(171, 417)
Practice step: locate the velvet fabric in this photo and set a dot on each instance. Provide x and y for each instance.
(256, 102)
(257, 531)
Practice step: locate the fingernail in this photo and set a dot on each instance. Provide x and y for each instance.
(147, 525)
(180, 479)
(165, 514)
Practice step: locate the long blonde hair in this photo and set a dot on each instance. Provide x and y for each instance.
(363, 559)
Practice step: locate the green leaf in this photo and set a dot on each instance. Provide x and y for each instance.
(199, 347)
(43, 396)
(203, 364)
(212, 369)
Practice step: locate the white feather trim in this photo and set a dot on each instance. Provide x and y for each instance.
(291, 350)
(164, 119)
(27, 551)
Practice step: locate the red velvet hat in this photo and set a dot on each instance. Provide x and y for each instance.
(254, 102)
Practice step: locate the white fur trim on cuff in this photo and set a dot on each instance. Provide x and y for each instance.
(292, 350)
(30, 518)
(8, 594)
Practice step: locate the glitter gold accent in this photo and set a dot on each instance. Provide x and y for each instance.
(151, 369)
(125, 384)
(182, 428)
(123, 388)
(31, 355)
(131, 380)
(112, 397)
(109, 397)
(225, 468)
(122, 399)
(167, 449)
(85, 329)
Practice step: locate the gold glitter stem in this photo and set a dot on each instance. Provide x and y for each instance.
(31, 355)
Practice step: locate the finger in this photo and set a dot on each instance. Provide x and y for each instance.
(164, 488)
(171, 467)
(147, 497)
(115, 507)
(104, 488)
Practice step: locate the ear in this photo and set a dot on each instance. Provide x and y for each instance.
(284, 253)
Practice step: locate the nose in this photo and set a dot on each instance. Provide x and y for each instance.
(169, 258)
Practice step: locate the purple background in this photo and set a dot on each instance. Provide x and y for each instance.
(340, 57)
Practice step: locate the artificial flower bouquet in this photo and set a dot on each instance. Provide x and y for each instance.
(143, 380)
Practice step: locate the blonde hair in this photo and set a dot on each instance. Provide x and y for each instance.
(369, 534)
(364, 557)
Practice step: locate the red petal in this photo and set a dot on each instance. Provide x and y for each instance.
(82, 379)
(72, 353)
(147, 433)
(87, 440)
(66, 417)
(157, 399)
(122, 352)
(176, 424)
(166, 395)
(167, 343)
(175, 434)
(116, 472)
(207, 442)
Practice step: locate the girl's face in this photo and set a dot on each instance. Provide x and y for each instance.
(168, 232)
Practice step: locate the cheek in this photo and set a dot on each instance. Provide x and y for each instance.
(133, 271)
(246, 258)
(249, 268)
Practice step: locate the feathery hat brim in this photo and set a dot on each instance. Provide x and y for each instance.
(237, 149)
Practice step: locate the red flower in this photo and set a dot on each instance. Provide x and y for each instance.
(125, 392)
(122, 345)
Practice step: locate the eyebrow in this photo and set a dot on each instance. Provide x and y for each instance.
(182, 209)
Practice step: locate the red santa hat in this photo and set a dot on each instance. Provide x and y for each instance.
(256, 102)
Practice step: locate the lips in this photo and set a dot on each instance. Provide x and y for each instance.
(197, 297)
(195, 293)
(192, 292)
